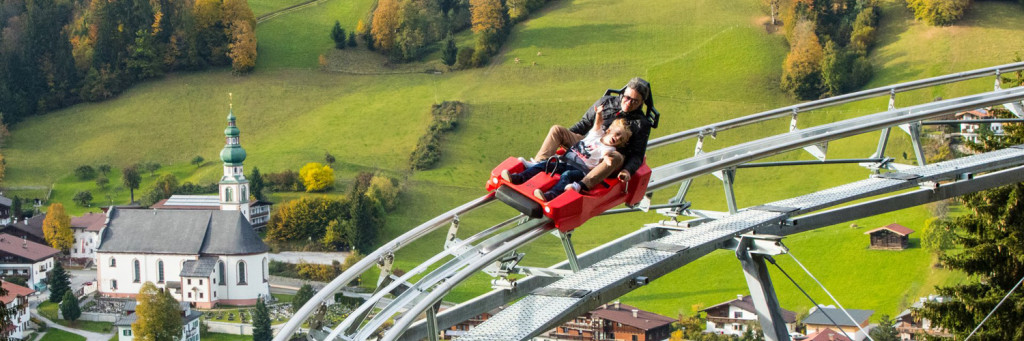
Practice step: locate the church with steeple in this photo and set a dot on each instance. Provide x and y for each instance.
(203, 249)
(233, 186)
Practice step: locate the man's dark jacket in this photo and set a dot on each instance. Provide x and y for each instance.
(634, 150)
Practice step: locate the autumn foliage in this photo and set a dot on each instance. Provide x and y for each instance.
(57, 228)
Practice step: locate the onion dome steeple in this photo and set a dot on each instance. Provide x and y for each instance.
(232, 154)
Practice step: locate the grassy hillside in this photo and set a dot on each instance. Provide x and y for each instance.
(707, 61)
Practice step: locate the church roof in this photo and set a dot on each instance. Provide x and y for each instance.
(199, 268)
(180, 232)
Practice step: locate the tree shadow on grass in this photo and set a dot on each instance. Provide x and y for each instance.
(992, 15)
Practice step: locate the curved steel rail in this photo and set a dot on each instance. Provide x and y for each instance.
(715, 128)
(666, 175)
(357, 269)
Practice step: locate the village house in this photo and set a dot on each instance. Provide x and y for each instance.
(613, 321)
(5, 210)
(16, 301)
(86, 230)
(826, 335)
(735, 317)
(31, 228)
(817, 321)
(890, 237)
(189, 322)
(29, 260)
(234, 187)
(910, 326)
(970, 131)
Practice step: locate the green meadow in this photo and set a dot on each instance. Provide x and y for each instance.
(707, 61)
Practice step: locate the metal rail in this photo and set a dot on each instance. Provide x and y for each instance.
(891, 90)
(466, 263)
(360, 267)
(645, 261)
(674, 172)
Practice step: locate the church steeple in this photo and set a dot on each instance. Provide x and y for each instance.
(234, 187)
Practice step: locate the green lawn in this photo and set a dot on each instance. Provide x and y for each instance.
(707, 60)
(226, 337)
(49, 310)
(53, 334)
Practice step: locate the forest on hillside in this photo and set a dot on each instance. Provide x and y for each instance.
(54, 53)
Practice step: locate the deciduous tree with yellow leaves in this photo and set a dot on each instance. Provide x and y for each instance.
(57, 228)
(316, 176)
(159, 317)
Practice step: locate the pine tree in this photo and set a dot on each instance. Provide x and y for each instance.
(352, 39)
(261, 322)
(338, 35)
(69, 307)
(886, 331)
(449, 52)
(59, 283)
(302, 296)
(256, 185)
(990, 236)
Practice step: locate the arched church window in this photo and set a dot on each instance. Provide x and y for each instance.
(159, 271)
(227, 195)
(241, 273)
(136, 271)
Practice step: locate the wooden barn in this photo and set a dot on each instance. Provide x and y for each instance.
(890, 237)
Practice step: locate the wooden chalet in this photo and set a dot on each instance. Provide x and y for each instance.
(890, 237)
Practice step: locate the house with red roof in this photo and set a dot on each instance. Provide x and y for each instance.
(614, 321)
(735, 317)
(827, 335)
(16, 300)
(26, 259)
(86, 230)
(970, 131)
(890, 237)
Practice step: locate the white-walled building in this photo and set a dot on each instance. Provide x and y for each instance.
(970, 131)
(203, 257)
(17, 301)
(86, 230)
(26, 259)
(736, 316)
(189, 323)
(819, 320)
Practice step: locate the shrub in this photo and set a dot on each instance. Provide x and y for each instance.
(317, 177)
(82, 198)
(102, 182)
(85, 172)
(938, 12)
(287, 180)
(464, 59)
(427, 151)
(104, 168)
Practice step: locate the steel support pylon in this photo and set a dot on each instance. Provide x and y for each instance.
(752, 250)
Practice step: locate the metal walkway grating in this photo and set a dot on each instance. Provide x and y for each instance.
(610, 278)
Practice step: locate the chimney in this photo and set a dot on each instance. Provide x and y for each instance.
(616, 305)
(739, 297)
(634, 312)
(24, 242)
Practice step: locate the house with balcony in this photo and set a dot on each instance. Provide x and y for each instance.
(737, 316)
(16, 300)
